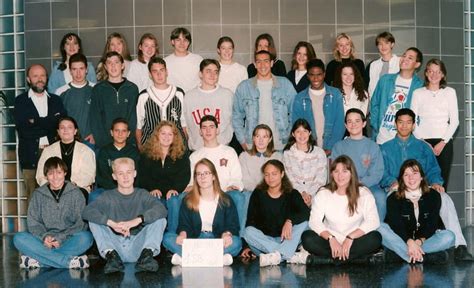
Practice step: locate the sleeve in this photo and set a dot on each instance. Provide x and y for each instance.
(132, 109)
(96, 117)
(291, 172)
(339, 128)
(414, 106)
(103, 177)
(246, 177)
(95, 211)
(47, 153)
(375, 108)
(182, 178)
(236, 171)
(29, 125)
(56, 79)
(184, 222)
(371, 218)
(330, 71)
(321, 168)
(453, 115)
(335, 151)
(253, 211)
(317, 213)
(389, 172)
(238, 114)
(91, 76)
(79, 225)
(231, 219)
(86, 174)
(394, 217)
(361, 67)
(35, 222)
(141, 110)
(279, 69)
(432, 169)
(431, 223)
(300, 211)
(376, 168)
(154, 210)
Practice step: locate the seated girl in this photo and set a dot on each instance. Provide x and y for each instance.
(277, 216)
(206, 212)
(343, 220)
(305, 163)
(413, 228)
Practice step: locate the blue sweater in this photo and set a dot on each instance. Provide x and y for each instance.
(367, 158)
(56, 79)
(396, 151)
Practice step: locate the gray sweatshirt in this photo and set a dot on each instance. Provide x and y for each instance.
(62, 219)
(118, 207)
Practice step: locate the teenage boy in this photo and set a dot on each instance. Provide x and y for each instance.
(76, 95)
(392, 93)
(366, 156)
(406, 146)
(127, 222)
(183, 66)
(208, 99)
(112, 98)
(388, 63)
(161, 101)
(56, 233)
(227, 165)
(321, 105)
(263, 99)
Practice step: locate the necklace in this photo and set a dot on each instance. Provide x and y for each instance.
(67, 149)
(162, 103)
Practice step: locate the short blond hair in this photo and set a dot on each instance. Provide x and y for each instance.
(122, 160)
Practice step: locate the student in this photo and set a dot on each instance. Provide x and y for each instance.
(183, 66)
(115, 42)
(127, 222)
(321, 105)
(264, 42)
(231, 73)
(349, 81)
(79, 159)
(60, 75)
(436, 107)
(138, 73)
(112, 98)
(392, 93)
(119, 148)
(164, 168)
(343, 219)
(206, 212)
(413, 229)
(227, 165)
(76, 95)
(365, 154)
(388, 63)
(302, 53)
(208, 99)
(305, 163)
(57, 237)
(264, 99)
(277, 216)
(159, 102)
(406, 146)
(343, 51)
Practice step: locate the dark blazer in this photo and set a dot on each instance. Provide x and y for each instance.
(31, 127)
(278, 69)
(401, 216)
(225, 219)
(303, 84)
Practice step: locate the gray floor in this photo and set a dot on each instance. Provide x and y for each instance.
(240, 274)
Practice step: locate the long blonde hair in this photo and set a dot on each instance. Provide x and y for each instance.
(192, 199)
(152, 147)
(335, 51)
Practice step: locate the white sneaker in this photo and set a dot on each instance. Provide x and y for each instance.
(269, 259)
(176, 259)
(227, 260)
(28, 262)
(299, 257)
(79, 262)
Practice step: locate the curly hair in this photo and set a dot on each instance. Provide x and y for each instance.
(358, 84)
(152, 147)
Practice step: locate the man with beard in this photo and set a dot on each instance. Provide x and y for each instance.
(36, 116)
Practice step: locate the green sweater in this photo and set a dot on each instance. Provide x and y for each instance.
(106, 155)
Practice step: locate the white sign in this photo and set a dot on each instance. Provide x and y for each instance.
(202, 253)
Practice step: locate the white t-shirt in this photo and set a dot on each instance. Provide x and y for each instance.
(266, 110)
(231, 75)
(183, 72)
(398, 101)
(299, 75)
(207, 211)
(139, 75)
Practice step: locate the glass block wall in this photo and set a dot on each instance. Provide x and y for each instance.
(469, 120)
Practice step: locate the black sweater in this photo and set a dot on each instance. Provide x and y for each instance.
(269, 215)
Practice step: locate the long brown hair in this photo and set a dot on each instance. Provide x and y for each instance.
(309, 53)
(415, 166)
(144, 37)
(192, 198)
(286, 186)
(270, 147)
(152, 147)
(101, 73)
(352, 190)
(271, 44)
(358, 81)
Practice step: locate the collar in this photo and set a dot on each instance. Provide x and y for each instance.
(274, 79)
(32, 94)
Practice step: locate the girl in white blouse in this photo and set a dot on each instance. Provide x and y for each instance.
(349, 80)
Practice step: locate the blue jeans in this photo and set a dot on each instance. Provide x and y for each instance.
(450, 219)
(380, 200)
(174, 203)
(32, 246)
(129, 248)
(440, 241)
(95, 194)
(169, 241)
(243, 220)
(261, 243)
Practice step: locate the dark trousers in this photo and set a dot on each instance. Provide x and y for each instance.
(362, 246)
(444, 159)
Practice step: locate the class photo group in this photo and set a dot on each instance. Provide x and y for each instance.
(315, 164)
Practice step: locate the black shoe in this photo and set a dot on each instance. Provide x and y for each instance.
(391, 257)
(114, 263)
(461, 254)
(313, 260)
(376, 259)
(146, 262)
(437, 258)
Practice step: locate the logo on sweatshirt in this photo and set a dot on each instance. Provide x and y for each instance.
(199, 113)
(223, 162)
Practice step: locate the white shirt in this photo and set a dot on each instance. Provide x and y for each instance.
(139, 75)
(183, 72)
(41, 105)
(231, 75)
(353, 102)
(299, 75)
(207, 211)
(376, 68)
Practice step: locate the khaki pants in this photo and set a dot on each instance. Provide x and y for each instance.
(29, 177)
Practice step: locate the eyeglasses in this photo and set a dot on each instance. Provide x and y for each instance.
(203, 174)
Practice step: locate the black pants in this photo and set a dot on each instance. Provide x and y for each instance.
(444, 159)
(362, 246)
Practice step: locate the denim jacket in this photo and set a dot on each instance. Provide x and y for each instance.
(333, 109)
(245, 110)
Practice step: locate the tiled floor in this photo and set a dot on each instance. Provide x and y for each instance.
(239, 275)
